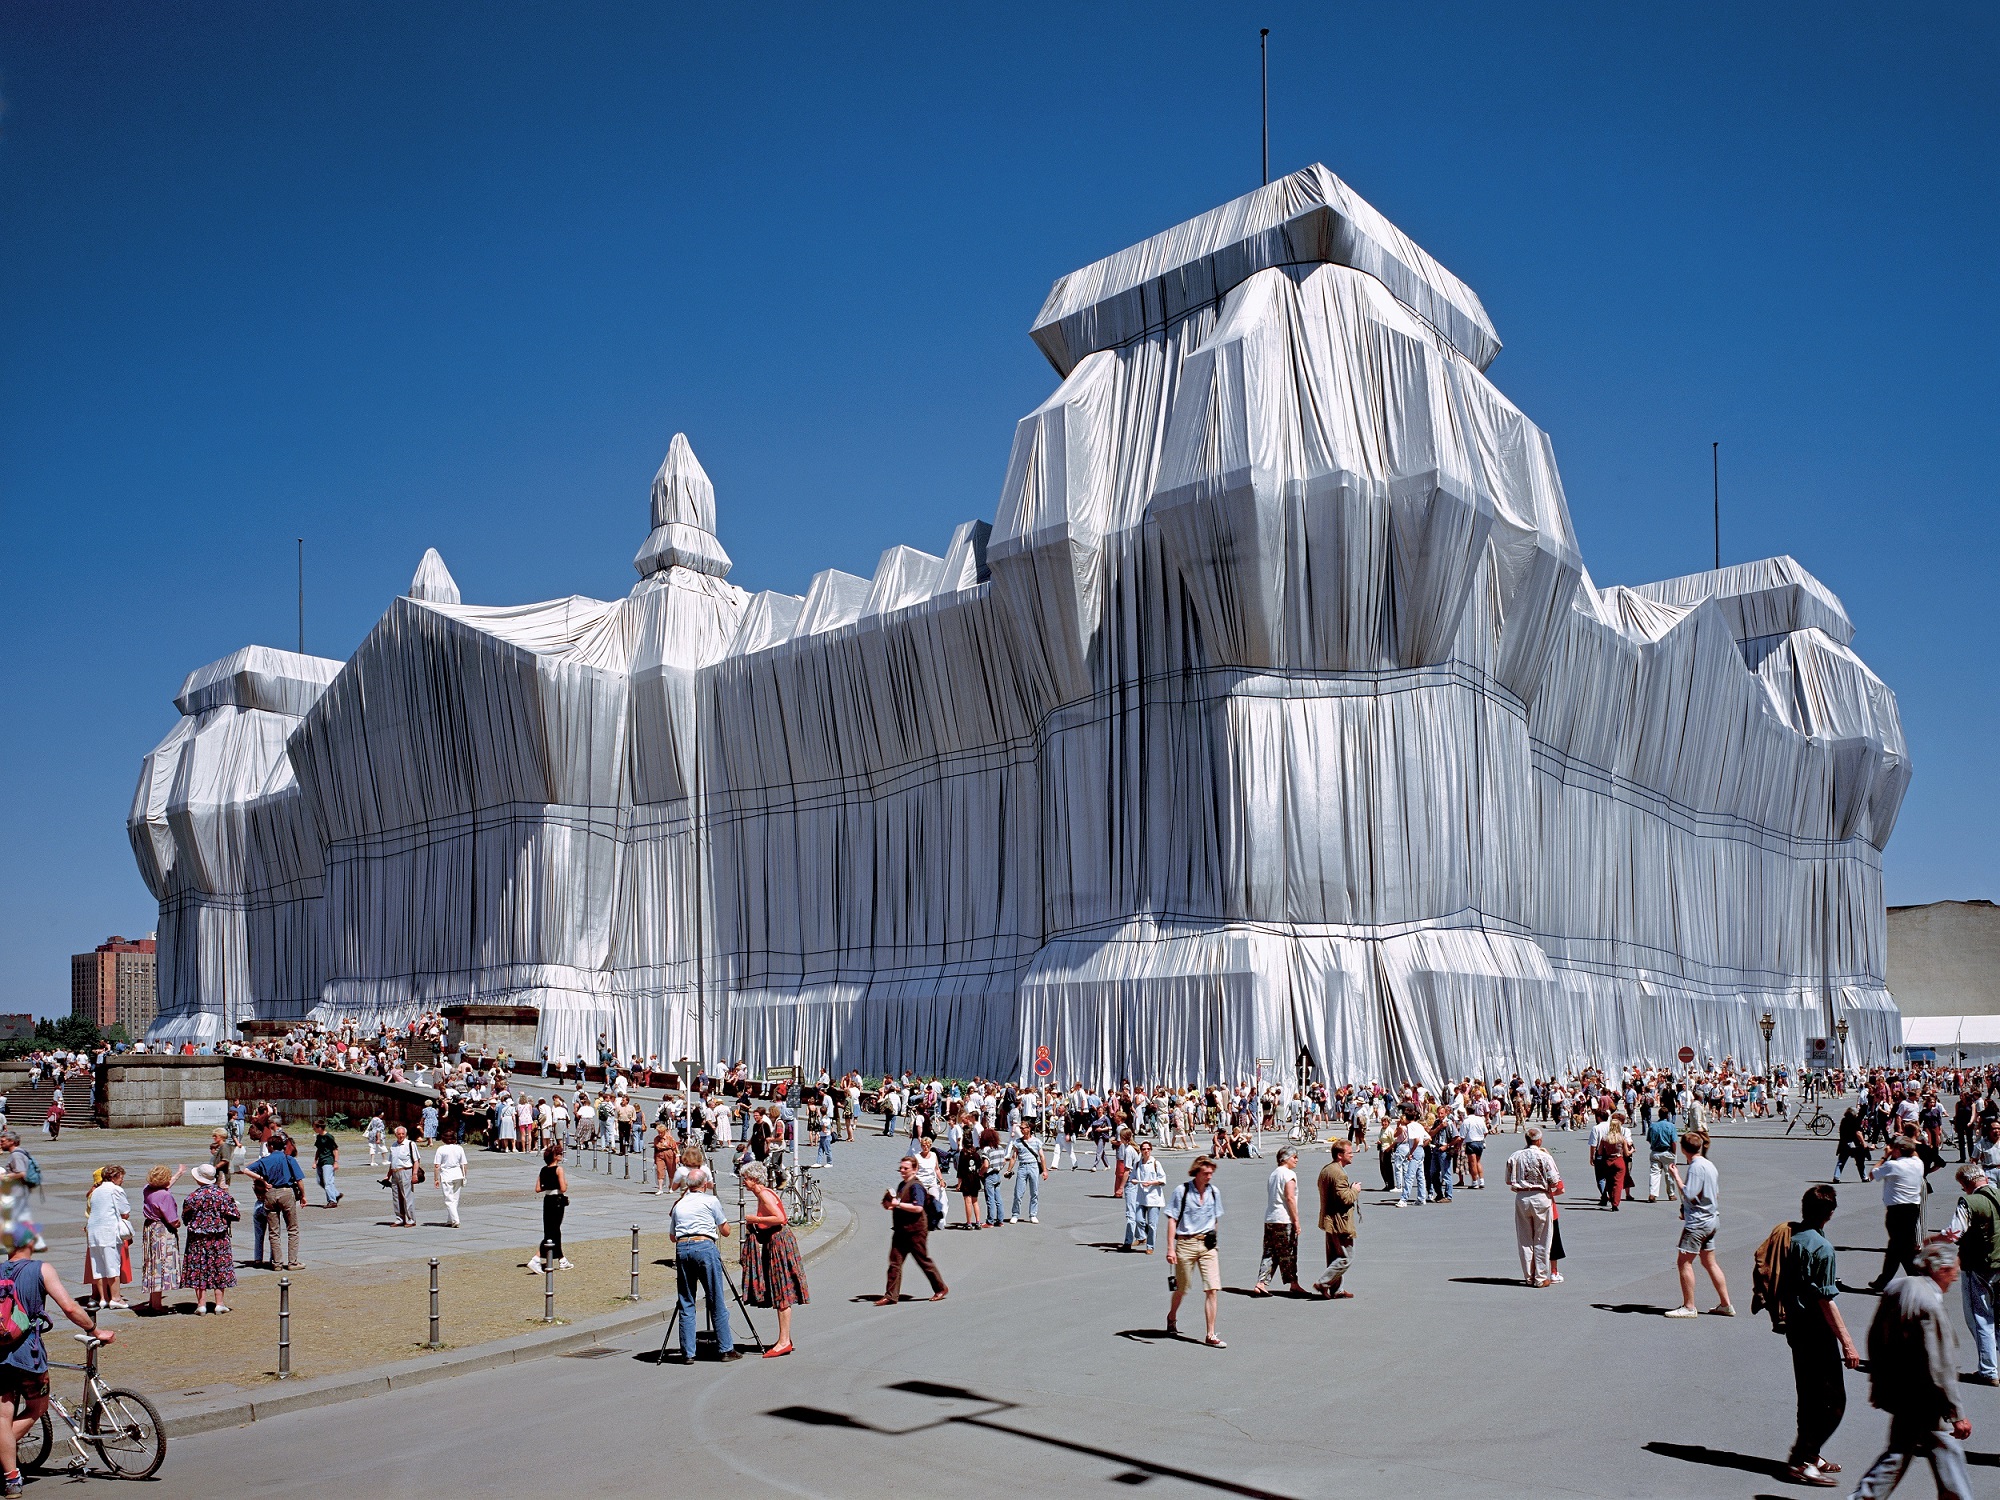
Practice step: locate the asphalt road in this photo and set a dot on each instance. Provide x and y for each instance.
(1048, 1372)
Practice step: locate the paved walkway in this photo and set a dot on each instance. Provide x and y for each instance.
(1048, 1371)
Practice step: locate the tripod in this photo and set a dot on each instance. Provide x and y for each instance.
(756, 1339)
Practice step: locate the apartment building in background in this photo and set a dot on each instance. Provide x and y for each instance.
(117, 984)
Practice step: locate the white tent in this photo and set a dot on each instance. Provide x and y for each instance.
(1273, 713)
(1953, 1037)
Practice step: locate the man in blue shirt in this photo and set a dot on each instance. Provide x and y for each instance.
(280, 1173)
(1661, 1137)
(1819, 1339)
(1194, 1215)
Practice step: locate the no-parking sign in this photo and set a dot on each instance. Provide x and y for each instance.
(1044, 1066)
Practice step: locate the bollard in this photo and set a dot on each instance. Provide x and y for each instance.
(434, 1344)
(628, 1166)
(634, 1297)
(284, 1328)
(548, 1281)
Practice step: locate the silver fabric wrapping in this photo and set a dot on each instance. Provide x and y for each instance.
(1273, 713)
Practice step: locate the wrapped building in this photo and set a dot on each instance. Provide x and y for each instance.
(1273, 716)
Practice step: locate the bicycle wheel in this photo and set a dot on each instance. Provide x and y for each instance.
(1822, 1125)
(128, 1434)
(33, 1450)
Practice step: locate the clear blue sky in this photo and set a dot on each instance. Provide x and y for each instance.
(395, 276)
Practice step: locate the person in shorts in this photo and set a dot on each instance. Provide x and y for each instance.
(1194, 1218)
(1701, 1217)
(24, 1371)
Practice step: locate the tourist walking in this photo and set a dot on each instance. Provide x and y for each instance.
(971, 1179)
(1821, 1349)
(1701, 1219)
(909, 1206)
(1913, 1376)
(1614, 1160)
(1661, 1138)
(449, 1163)
(1339, 1202)
(405, 1172)
(1194, 1220)
(1148, 1187)
(208, 1259)
(1901, 1174)
(700, 1224)
(1853, 1142)
(160, 1217)
(326, 1162)
(1029, 1170)
(1974, 1228)
(774, 1273)
(1280, 1256)
(108, 1225)
(552, 1182)
(1534, 1179)
(376, 1135)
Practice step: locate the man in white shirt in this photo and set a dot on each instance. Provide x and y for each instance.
(1701, 1220)
(700, 1225)
(1281, 1226)
(1474, 1130)
(1533, 1177)
(449, 1166)
(1901, 1174)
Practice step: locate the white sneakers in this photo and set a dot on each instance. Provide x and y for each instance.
(534, 1264)
(1033, 1220)
(564, 1265)
(1682, 1312)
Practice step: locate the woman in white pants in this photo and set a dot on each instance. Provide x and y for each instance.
(449, 1167)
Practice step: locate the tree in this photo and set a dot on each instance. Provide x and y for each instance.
(74, 1033)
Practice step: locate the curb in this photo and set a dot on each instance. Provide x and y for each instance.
(357, 1385)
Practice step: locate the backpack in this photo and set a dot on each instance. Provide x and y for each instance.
(33, 1176)
(15, 1323)
(933, 1210)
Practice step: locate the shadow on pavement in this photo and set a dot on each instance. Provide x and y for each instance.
(1718, 1458)
(1513, 1281)
(1645, 1309)
(1131, 1470)
(1146, 1335)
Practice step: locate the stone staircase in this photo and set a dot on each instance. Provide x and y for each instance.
(28, 1106)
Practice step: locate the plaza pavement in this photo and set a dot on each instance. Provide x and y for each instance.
(1047, 1372)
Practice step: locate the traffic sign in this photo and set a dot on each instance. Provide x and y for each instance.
(1043, 1066)
(1687, 1054)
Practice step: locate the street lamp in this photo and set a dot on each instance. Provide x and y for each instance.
(1767, 1025)
(1840, 1030)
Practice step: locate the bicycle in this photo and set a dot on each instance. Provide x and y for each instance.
(1821, 1123)
(807, 1201)
(123, 1426)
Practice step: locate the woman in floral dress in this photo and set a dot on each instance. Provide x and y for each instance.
(162, 1227)
(774, 1273)
(208, 1264)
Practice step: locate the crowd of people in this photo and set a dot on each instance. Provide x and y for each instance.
(976, 1155)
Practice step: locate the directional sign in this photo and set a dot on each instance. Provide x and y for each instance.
(1687, 1054)
(1043, 1065)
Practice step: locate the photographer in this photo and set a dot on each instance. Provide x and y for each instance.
(1194, 1214)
